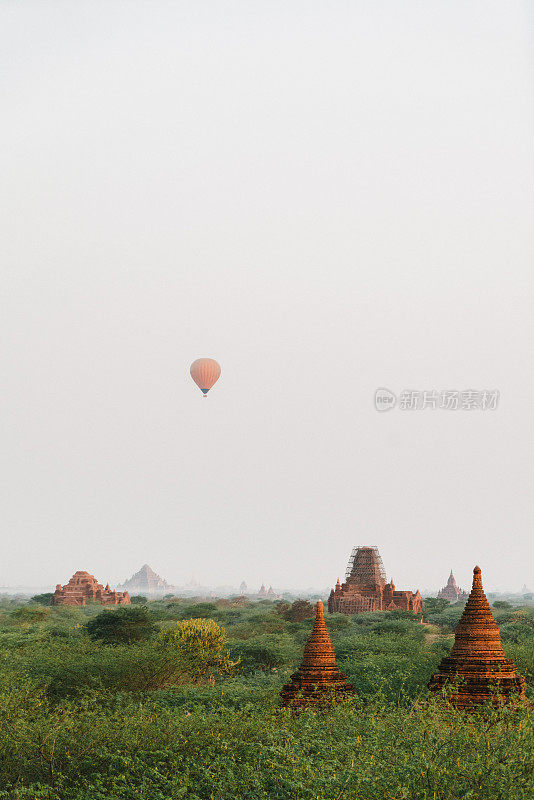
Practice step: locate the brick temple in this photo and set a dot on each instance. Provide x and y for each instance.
(452, 592)
(84, 588)
(365, 588)
(477, 658)
(318, 679)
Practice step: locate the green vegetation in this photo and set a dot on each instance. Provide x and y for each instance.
(43, 599)
(194, 649)
(297, 611)
(124, 625)
(170, 699)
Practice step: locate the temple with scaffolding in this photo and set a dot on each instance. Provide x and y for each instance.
(365, 587)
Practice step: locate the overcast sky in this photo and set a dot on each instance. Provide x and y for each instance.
(326, 197)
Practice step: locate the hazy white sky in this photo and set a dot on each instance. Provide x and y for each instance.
(326, 197)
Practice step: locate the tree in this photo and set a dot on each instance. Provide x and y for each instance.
(433, 605)
(44, 599)
(124, 626)
(198, 610)
(299, 611)
(283, 609)
(265, 652)
(195, 649)
(30, 614)
(138, 600)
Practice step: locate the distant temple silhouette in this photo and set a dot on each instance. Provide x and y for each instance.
(146, 580)
(365, 587)
(84, 588)
(477, 659)
(266, 594)
(318, 679)
(451, 592)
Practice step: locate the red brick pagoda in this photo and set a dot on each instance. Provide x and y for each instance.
(84, 588)
(365, 588)
(477, 658)
(318, 679)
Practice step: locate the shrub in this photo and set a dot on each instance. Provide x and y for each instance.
(447, 619)
(398, 666)
(196, 648)
(265, 652)
(30, 614)
(44, 599)
(123, 626)
(297, 611)
(337, 622)
(198, 611)
(433, 605)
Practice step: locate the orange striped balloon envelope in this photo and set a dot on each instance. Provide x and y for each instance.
(205, 372)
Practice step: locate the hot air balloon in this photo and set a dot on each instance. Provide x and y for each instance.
(205, 372)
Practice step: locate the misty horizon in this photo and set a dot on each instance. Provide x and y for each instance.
(193, 584)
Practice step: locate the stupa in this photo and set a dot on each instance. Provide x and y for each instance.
(477, 658)
(83, 588)
(318, 679)
(452, 592)
(365, 587)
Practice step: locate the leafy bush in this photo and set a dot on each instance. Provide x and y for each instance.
(297, 611)
(70, 669)
(399, 667)
(265, 652)
(447, 619)
(29, 614)
(198, 611)
(195, 647)
(337, 623)
(122, 626)
(433, 605)
(44, 599)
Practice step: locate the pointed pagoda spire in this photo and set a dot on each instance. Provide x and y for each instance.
(319, 651)
(451, 581)
(477, 657)
(318, 678)
(477, 635)
(451, 592)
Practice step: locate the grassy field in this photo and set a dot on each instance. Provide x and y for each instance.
(164, 703)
